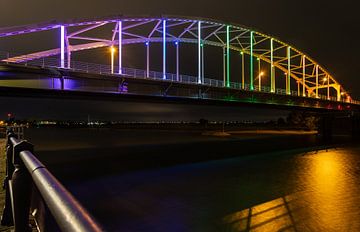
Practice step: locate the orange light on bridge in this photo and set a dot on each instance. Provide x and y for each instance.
(112, 50)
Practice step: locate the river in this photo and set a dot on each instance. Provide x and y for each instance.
(279, 186)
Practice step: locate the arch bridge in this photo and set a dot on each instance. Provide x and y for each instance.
(259, 54)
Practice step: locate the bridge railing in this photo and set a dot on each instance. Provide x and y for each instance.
(139, 73)
(26, 177)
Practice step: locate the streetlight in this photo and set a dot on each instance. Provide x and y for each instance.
(260, 75)
(112, 50)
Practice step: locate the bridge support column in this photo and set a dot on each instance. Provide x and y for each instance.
(199, 53)
(288, 77)
(328, 87)
(317, 82)
(272, 66)
(147, 59)
(62, 46)
(259, 73)
(224, 67)
(177, 61)
(303, 75)
(227, 56)
(68, 51)
(68, 57)
(251, 61)
(164, 49)
(120, 47)
(202, 64)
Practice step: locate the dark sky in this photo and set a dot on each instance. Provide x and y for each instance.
(327, 30)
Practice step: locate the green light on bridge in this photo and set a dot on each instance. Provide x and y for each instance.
(228, 56)
(251, 61)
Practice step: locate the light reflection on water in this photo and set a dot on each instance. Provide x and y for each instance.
(289, 191)
(327, 198)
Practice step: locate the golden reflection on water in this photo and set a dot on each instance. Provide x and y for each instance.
(328, 200)
(270, 216)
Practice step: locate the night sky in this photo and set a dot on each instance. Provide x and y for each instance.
(327, 30)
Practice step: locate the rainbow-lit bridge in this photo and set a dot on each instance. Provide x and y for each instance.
(255, 67)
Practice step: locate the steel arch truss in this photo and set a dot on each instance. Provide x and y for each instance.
(297, 67)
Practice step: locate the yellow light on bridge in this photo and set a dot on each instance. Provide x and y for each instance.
(112, 50)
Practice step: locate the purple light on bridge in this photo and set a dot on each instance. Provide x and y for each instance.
(120, 47)
(62, 46)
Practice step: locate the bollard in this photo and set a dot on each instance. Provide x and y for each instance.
(20, 187)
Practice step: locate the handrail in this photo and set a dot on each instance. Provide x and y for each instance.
(25, 170)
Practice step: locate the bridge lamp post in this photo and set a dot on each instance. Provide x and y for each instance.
(242, 70)
(112, 51)
(261, 74)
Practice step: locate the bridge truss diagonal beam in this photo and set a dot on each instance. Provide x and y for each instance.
(278, 54)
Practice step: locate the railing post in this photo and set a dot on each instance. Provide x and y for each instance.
(6, 218)
(21, 187)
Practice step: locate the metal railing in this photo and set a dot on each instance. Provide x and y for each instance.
(18, 130)
(25, 172)
(51, 62)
